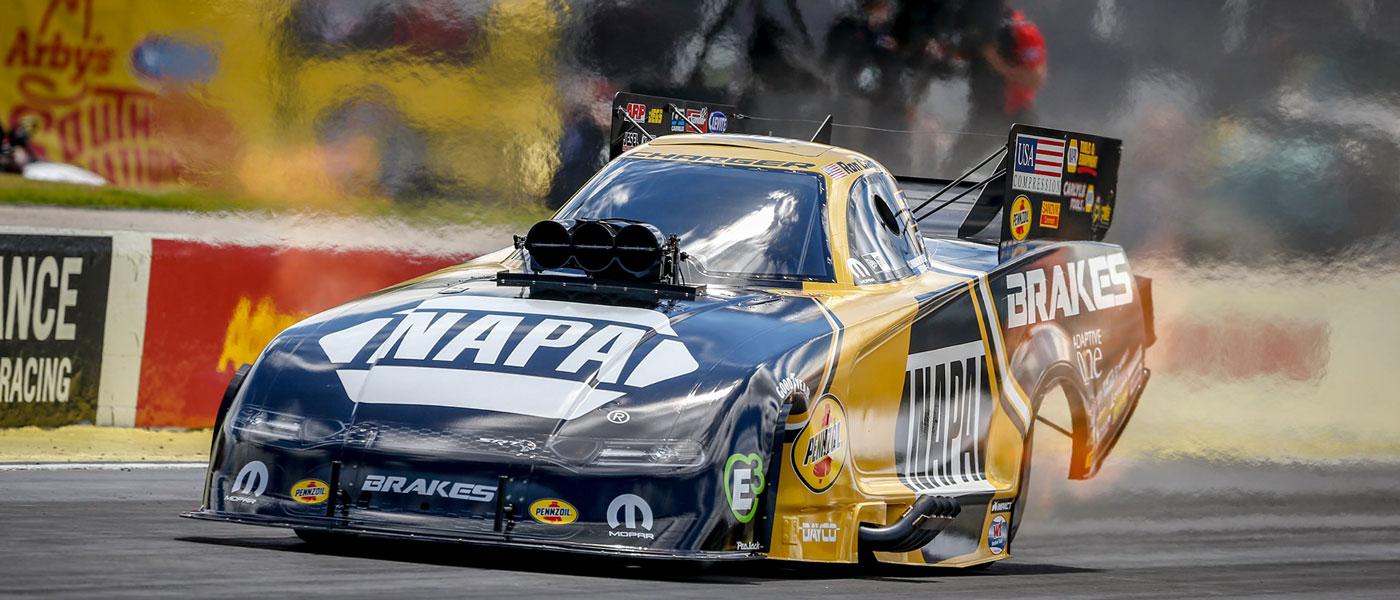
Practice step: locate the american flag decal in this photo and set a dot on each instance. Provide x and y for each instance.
(1039, 164)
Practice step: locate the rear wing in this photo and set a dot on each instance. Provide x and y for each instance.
(1048, 185)
(638, 119)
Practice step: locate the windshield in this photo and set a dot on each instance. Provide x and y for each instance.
(735, 221)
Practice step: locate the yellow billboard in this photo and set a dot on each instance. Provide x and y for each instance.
(310, 101)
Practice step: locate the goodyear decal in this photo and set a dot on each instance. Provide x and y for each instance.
(820, 450)
(311, 491)
(553, 511)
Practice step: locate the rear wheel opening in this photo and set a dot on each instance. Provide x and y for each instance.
(1050, 441)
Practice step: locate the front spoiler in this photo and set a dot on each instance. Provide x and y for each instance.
(352, 526)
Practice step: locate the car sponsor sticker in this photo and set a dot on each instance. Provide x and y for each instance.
(996, 535)
(629, 516)
(636, 110)
(555, 360)
(719, 122)
(1082, 157)
(1003, 505)
(1038, 164)
(946, 395)
(819, 533)
(1049, 214)
(819, 451)
(743, 484)
(1076, 287)
(456, 490)
(1020, 217)
(553, 511)
(311, 491)
(250, 483)
(655, 115)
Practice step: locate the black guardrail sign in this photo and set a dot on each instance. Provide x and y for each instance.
(53, 308)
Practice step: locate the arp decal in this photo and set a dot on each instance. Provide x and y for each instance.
(819, 451)
(943, 419)
(553, 511)
(1020, 217)
(311, 491)
(541, 358)
(1079, 286)
(743, 484)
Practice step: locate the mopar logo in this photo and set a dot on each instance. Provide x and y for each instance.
(541, 358)
(250, 483)
(630, 511)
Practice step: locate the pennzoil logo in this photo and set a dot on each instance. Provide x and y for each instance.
(311, 491)
(553, 511)
(1020, 217)
(819, 452)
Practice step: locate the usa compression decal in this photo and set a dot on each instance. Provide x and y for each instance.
(541, 358)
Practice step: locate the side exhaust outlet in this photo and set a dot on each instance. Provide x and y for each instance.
(914, 529)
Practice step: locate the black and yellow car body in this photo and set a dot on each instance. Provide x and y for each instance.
(875, 401)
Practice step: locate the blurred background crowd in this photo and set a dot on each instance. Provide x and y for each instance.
(1254, 131)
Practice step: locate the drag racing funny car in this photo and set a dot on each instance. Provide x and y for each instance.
(724, 346)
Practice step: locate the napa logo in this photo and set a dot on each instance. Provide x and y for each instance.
(553, 511)
(542, 358)
(819, 452)
(311, 491)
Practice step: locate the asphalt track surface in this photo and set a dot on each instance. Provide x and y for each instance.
(1143, 529)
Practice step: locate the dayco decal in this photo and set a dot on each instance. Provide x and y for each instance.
(53, 308)
(542, 358)
(943, 411)
(819, 532)
(632, 513)
(429, 487)
(553, 511)
(250, 483)
(819, 450)
(311, 491)
(1084, 285)
(743, 484)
